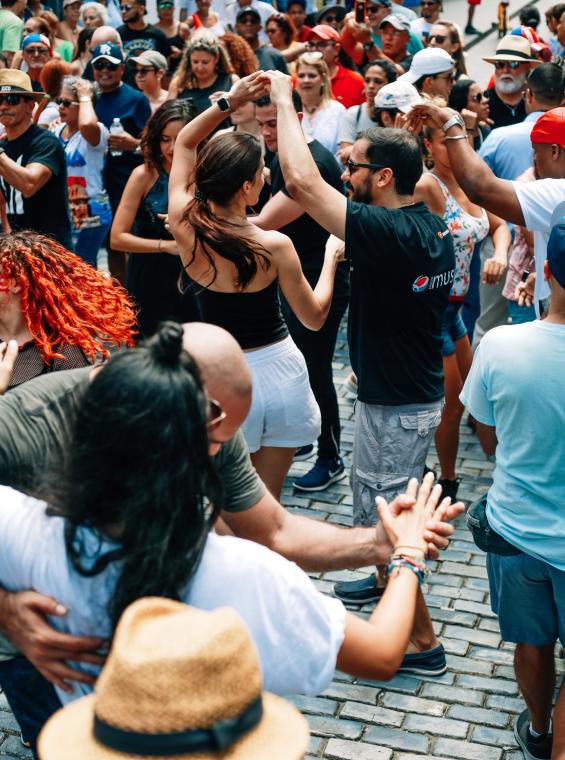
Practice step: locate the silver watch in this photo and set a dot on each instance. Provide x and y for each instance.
(223, 104)
(457, 119)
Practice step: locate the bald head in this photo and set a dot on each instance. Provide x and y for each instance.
(105, 34)
(220, 360)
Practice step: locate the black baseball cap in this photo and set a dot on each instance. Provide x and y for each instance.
(248, 10)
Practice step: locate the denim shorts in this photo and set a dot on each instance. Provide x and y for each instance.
(390, 446)
(528, 596)
(452, 328)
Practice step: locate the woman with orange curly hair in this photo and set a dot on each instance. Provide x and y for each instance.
(62, 313)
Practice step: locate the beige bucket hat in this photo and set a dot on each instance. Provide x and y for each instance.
(513, 48)
(15, 82)
(178, 683)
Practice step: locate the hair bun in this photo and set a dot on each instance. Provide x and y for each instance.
(167, 342)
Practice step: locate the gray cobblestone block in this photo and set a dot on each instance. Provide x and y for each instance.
(455, 646)
(325, 587)
(322, 726)
(509, 704)
(471, 595)
(371, 714)
(479, 715)
(504, 671)
(466, 546)
(519, 755)
(466, 751)
(470, 606)
(477, 583)
(454, 555)
(315, 744)
(8, 723)
(472, 635)
(446, 580)
(352, 692)
(396, 738)
(338, 749)
(457, 729)
(12, 747)
(490, 685)
(313, 513)
(410, 756)
(315, 705)
(496, 656)
(414, 704)
(496, 736)
(447, 679)
(468, 665)
(453, 694)
(465, 571)
(453, 616)
(344, 575)
(403, 684)
(489, 624)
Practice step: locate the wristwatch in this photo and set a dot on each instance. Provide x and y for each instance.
(457, 119)
(223, 104)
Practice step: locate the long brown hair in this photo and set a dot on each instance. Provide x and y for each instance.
(206, 43)
(223, 165)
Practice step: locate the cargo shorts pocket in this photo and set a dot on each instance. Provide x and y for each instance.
(423, 423)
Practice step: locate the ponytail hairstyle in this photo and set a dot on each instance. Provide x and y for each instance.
(138, 473)
(223, 165)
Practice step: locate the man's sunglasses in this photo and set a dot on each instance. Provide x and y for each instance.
(11, 100)
(216, 414)
(101, 65)
(429, 2)
(499, 65)
(65, 102)
(329, 19)
(439, 38)
(127, 7)
(36, 50)
(352, 166)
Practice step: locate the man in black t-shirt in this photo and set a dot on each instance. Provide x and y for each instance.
(33, 168)
(137, 35)
(402, 267)
(309, 238)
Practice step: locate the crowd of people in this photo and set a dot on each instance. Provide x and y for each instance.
(190, 209)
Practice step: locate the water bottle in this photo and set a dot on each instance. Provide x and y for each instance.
(116, 129)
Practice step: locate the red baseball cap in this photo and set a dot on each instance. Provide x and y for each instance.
(324, 32)
(549, 129)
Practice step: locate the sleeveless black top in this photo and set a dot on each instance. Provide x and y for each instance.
(253, 318)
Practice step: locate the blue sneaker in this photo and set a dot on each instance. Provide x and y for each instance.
(323, 474)
(432, 662)
(303, 453)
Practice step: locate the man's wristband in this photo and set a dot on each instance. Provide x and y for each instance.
(457, 137)
(85, 99)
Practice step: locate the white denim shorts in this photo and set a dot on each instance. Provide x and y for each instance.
(284, 412)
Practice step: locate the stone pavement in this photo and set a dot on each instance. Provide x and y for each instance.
(468, 712)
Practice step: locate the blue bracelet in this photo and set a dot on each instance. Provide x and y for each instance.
(417, 569)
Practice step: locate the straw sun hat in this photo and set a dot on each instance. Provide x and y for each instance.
(179, 683)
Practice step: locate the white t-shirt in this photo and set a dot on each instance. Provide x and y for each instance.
(538, 200)
(324, 125)
(355, 120)
(297, 630)
(421, 28)
(85, 162)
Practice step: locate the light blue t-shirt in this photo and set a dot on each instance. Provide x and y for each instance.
(517, 385)
(508, 150)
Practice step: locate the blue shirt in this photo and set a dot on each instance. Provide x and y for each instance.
(508, 150)
(516, 385)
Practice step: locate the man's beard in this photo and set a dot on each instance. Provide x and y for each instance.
(507, 87)
(362, 194)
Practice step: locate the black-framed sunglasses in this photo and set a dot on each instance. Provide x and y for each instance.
(11, 100)
(126, 7)
(328, 19)
(101, 65)
(352, 166)
(513, 65)
(65, 102)
(144, 71)
(216, 414)
(439, 38)
(479, 97)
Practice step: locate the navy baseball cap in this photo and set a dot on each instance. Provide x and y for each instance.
(556, 252)
(109, 51)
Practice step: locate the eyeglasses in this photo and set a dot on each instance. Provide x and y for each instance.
(373, 8)
(322, 44)
(448, 77)
(272, 30)
(101, 65)
(11, 100)
(65, 102)
(513, 65)
(428, 2)
(352, 166)
(439, 38)
(36, 51)
(329, 19)
(127, 7)
(479, 97)
(144, 72)
(216, 414)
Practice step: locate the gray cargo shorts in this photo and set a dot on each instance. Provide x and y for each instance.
(390, 446)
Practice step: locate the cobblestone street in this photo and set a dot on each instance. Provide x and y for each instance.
(468, 712)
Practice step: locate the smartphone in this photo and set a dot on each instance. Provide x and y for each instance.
(360, 11)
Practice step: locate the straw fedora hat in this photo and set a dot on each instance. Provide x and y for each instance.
(15, 82)
(513, 48)
(180, 683)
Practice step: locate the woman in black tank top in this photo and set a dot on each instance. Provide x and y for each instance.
(236, 270)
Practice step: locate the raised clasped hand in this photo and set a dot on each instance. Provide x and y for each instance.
(427, 114)
(248, 89)
(279, 86)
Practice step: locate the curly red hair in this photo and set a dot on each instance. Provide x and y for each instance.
(64, 300)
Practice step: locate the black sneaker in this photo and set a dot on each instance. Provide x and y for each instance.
(449, 488)
(359, 592)
(323, 474)
(533, 748)
(470, 29)
(431, 662)
(303, 453)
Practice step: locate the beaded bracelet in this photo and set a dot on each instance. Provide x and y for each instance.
(399, 560)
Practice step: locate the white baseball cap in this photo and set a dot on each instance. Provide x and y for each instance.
(397, 95)
(427, 63)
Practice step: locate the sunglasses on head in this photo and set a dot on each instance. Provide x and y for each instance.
(11, 100)
(65, 102)
(499, 65)
(439, 38)
(352, 166)
(101, 65)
